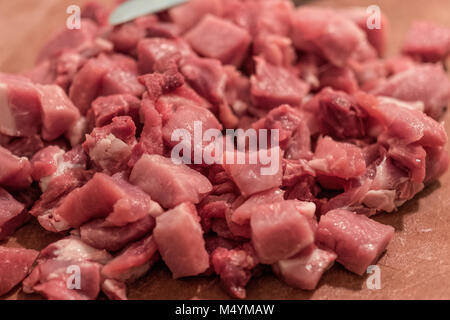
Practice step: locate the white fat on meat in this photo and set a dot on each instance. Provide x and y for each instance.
(383, 200)
(73, 249)
(61, 167)
(109, 147)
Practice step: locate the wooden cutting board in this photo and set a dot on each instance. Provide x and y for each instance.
(417, 262)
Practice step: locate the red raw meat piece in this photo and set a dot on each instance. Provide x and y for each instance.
(179, 237)
(338, 159)
(217, 38)
(58, 112)
(103, 235)
(133, 262)
(111, 106)
(20, 106)
(357, 240)
(189, 14)
(168, 183)
(427, 41)
(110, 147)
(280, 230)
(15, 264)
(12, 215)
(235, 268)
(305, 269)
(326, 33)
(426, 83)
(57, 263)
(272, 86)
(15, 172)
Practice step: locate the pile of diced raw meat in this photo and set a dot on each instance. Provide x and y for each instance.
(86, 142)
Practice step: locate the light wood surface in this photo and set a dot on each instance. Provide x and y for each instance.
(417, 262)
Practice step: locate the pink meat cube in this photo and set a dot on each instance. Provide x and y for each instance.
(243, 213)
(103, 196)
(87, 83)
(305, 269)
(133, 262)
(155, 53)
(179, 237)
(20, 106)
(50, 276)
(58, 112)
(184, 117)
(189, 14)
(111, 106)
(427, 83)
(12, 214)
(15, 264)
(15, 172)
(326, 33)
(280, 230)
(357, 240)
(217, 38)
(207, 77)
(251, 178)
(103, 235)
(338, 159)
(377, 37)
(76, 40)
(110, 147)
(121, 82)
(273, 86)
(427, 41)
(168, 183)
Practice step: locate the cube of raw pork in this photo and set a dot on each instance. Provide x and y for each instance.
(189, 14)
(326, 33)
(15, 264)
(243, 213)
(305, 269)
(103, 235)
(102, 197)
(57, 265)
(272, 86)
(133, 262)
(20, 106)
(357, 240)
(338, 159)
(110, 147)
(111, 106)
(377, 37)
(427, 41)
(427, 83)
(75, 40)
(155, 54)
(250, 178)
(15, 172)
(58, 112)
(168, 183)
(280, 230)
(12, 214)
(235, 268)
(179, 237)
(207, 77)
(220, 39)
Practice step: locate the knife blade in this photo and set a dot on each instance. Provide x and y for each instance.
(133, 9)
